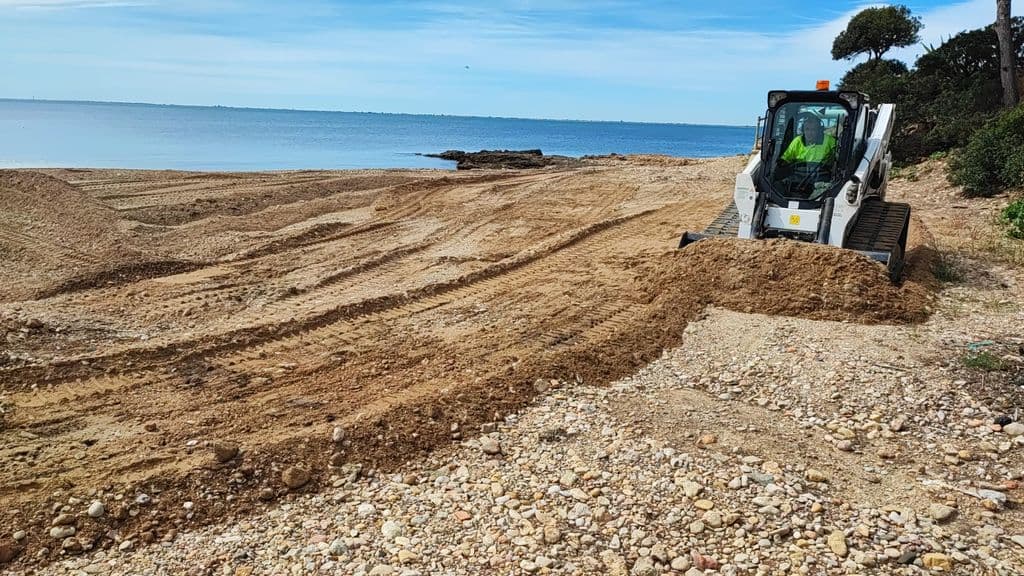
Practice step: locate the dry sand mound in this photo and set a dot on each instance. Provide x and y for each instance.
(785, 278)
(50, 233)
(54, 237)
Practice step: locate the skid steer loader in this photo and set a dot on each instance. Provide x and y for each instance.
(833, 195)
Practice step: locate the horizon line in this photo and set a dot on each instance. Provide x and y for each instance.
(322, 111)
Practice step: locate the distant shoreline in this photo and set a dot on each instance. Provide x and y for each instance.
(399, 114)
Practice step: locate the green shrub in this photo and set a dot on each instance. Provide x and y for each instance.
(1013, 215)
(993, 159)
(983, 360)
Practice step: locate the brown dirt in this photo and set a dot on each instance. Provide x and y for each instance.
(391, 303)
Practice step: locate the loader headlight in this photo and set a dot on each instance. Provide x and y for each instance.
(852, 191)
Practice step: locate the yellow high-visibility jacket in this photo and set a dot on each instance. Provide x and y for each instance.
(798, 152)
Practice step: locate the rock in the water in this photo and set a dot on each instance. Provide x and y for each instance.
(96, 509)
(941, 512)
(295, 477)
(224, 451)
(837, 542)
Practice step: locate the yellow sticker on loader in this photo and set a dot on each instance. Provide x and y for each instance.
(794, 219)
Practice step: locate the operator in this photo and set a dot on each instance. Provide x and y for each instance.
(813, 145)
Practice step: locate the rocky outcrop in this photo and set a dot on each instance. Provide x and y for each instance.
(507, 159)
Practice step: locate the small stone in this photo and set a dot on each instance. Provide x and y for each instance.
(407, 556)
(712, 518)
(552, 535)
(998, 499)
(126, 545)
(266, 494)
(680, 563)
(703, 562)
(691, 489)
(614, 564)
(845, 445)
(837, 542)
(391, 529)
(224, 452)
(694, 572)
(365, 510)
(19, 535)
(704, 504)
(96, 509)
(1014, 429)
(644, 566)
(295, 477)
(490, 446)
(813, 475)
(62, 532)
(940, 512)
(143, 499)
(64, 520)
(338, 435)
(936, 561)
(898, 424)
(71, 545)
(696, 527)
(541, 385)
(707, 440)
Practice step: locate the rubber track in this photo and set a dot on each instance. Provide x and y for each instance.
(881, 226)
(726, 224)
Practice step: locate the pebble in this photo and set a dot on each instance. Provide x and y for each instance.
(224, 452)
(490, 445)
(837, 543)
(96, 509)
(1014, 429)
(295, 477)
(813, 475)
(941, 513)
(937, 561)
(62, 532)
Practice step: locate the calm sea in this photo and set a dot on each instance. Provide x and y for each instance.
(108, 135)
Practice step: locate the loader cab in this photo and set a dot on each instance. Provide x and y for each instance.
(812, 143)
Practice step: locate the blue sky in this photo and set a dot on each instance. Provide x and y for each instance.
(657, 61)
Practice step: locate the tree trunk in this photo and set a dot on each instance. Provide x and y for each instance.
(1007, 61)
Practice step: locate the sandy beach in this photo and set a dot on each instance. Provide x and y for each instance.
(228, 360)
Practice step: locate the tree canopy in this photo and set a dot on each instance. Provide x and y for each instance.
(874, 31)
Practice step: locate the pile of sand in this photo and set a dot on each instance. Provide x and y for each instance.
(782, 277)
(51, 233)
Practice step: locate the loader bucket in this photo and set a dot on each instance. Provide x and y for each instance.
(689, 238)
